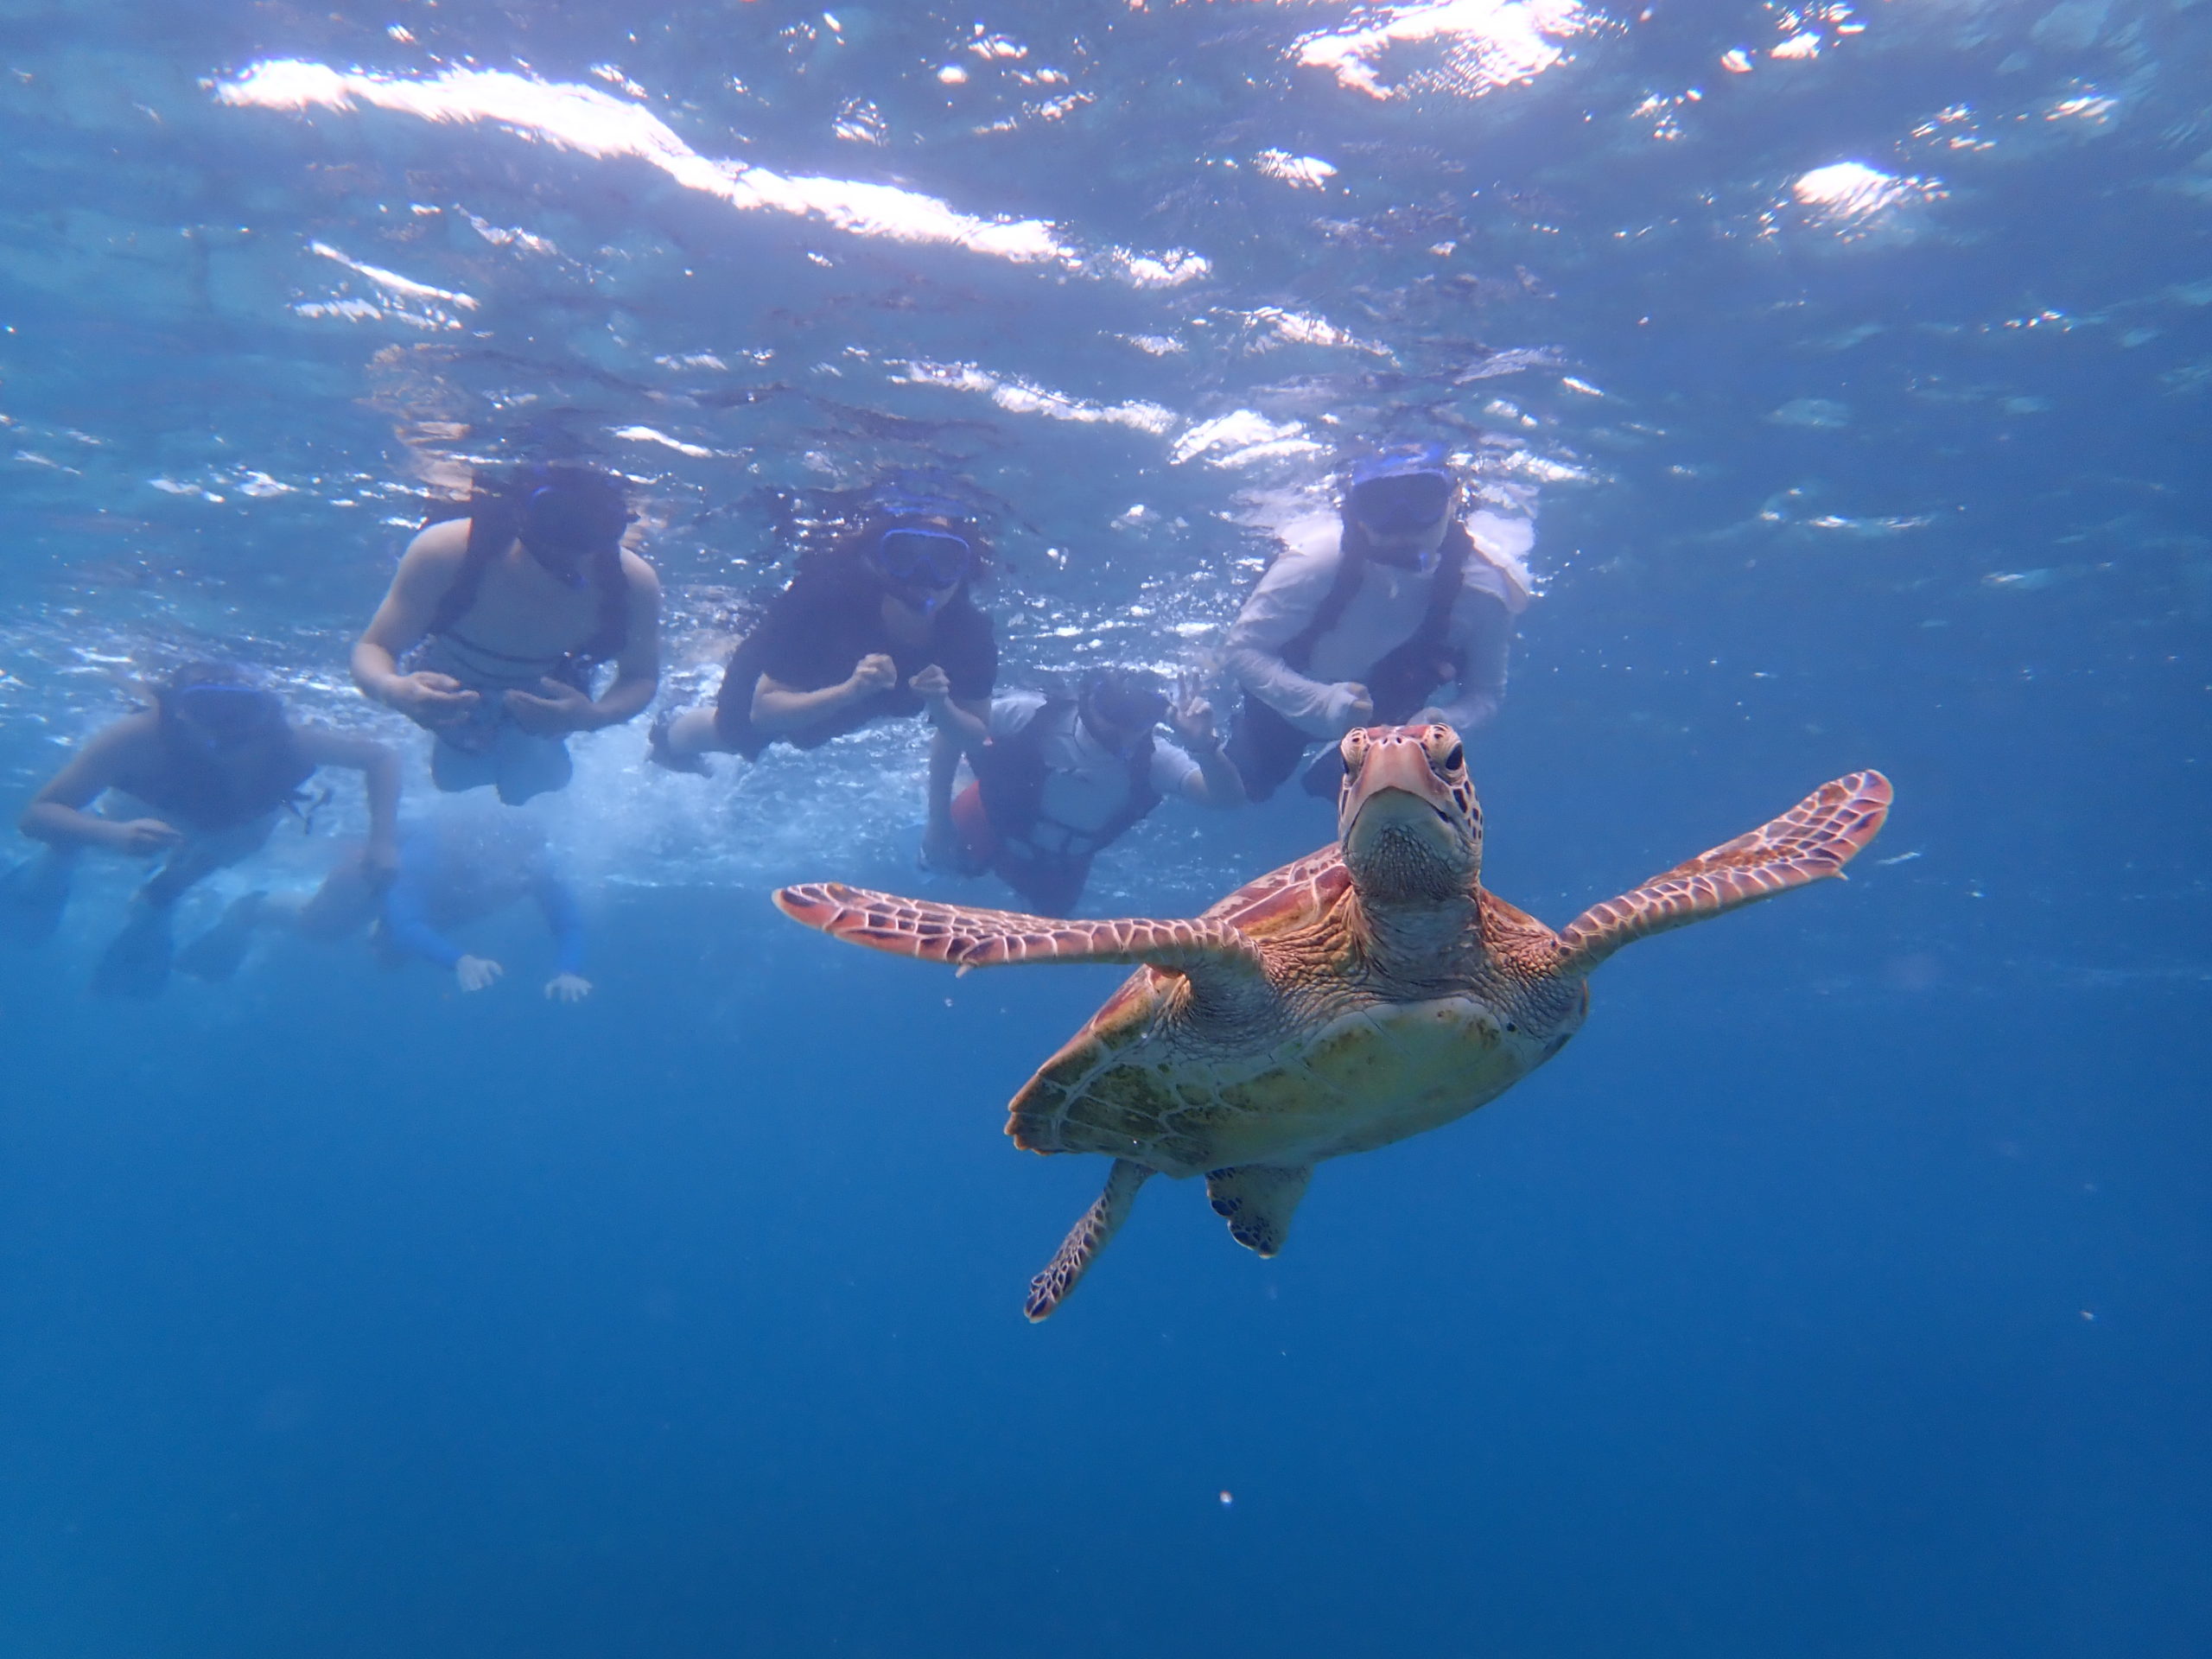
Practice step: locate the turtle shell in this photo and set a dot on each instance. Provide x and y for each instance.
(1135, 1083)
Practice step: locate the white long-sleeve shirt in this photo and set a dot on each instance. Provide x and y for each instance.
(1385, 613)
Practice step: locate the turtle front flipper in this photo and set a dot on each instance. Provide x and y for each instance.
(970, 937)
(1257, 1200)
(1085, 1239)
(1812, 841)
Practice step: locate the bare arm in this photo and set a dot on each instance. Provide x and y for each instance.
(951, 720)
(966, 727)
(428, 569)
(636, 670)
(379, 770)
(968, 720)
(777, 708)
(56, 814)
(937, 836)
(1217, 781)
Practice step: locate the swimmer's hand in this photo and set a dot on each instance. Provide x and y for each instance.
(433, 701)
(933, 685)
(475, 973)
(1350, 706)
(568, 988)
(1192, 721)
(141, 837)
(562, 709)
(873, 673)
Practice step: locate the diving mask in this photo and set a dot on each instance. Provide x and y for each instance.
(224, 716)
(923, 564)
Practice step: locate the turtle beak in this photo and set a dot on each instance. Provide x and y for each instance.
(1388, 777)
(1407, 833)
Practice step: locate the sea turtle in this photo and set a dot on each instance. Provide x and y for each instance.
(1364, 993)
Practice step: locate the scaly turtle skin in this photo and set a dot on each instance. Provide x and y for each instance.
(1366, 993)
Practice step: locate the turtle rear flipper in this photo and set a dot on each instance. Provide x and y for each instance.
(1257, 1200)
(1812, 841)
(1085, 1239)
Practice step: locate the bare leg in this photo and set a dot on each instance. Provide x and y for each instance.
(346, 902)
(682, 742)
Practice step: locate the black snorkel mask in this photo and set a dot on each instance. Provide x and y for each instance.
(570, 516)
(923, 567)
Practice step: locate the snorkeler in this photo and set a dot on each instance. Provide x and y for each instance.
(202, 779)
(453, 871)
(514, 606)
(1061, 778)
(1401, 613)
(878, 625)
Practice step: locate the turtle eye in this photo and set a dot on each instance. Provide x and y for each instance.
(1457, 758)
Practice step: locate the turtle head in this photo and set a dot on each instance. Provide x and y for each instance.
(1411, 827)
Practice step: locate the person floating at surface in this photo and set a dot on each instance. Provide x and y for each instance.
(1400, 615)
(204, 775)
(513, 608)
(455, 871)
(878, 625)
(1061, 778)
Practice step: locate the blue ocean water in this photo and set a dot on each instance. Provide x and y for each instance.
(1840, 1291)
